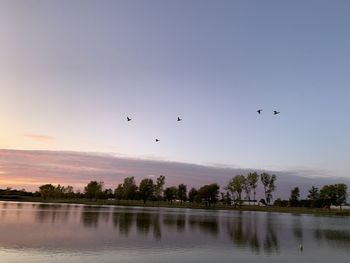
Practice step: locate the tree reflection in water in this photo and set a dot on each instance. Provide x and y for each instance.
(3, 210)
(90, 216)
(297, 228)
(52, 213)
(261, 233)
(271, 243)
(243, 232)
(334, 237)
(177, 221)
(145, 221)
(250, 231)
(205, 223)
(123, 221)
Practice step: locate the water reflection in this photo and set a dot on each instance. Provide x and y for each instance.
(334, 237)
(297, 228)
(177, 221)
(90, 216)
(51, 213)
(97, 227)
(147, 221)
(271, 243)
(204, 223)
(256, 233)
(123, 221)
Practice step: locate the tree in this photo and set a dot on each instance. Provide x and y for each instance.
(119, 192)
(192, 194)
(146, 189)
(342, 194)
(107, 193)
(236, 186)
(182, 192)
(247, 189)
(69, 191)
(226, 198)
(314, 196)
(170, 193)
(252, 179)
(334, 194)
(209, 193)
(294, 197)
(313, 193)
(268, 182)
(94, 189)
(59, 191)
(47, 191)
(159, 187)
(129, 188)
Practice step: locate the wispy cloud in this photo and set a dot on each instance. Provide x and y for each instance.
(40, 138)
(30, 169)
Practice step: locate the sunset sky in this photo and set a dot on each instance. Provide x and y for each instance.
(72, 71)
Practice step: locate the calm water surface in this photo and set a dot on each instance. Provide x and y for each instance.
(34, 232)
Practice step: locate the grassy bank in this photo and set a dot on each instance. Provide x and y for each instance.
(294, 210)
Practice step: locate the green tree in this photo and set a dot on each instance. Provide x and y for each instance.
(170, 193)
(192, 194)
(247, 189)
(314, 196)
(236, 186)
(209, 193)
(182, 192)
(252, 179)
(159, 187)
(335, 194)
(268, 182)
(226, 198)
(294, 197)
(107, 193)
(69, 191)
(313, 193)
(47, 191)
(94, 189)
(129, 188)
(341, 194)
(146, 189)
(119, 192)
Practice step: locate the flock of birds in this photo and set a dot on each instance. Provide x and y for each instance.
(274, 112)
(157, 140)
(179, 119)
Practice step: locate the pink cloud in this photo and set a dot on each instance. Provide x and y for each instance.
(30, 169)
(40, 138)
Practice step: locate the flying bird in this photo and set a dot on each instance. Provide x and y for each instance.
(157, 140)
(128, 119)
(276, 112)
(259, 111)
(179, 119)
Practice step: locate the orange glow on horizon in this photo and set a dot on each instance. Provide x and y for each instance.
(32, 184)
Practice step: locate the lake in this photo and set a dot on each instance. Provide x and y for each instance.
(38, 232)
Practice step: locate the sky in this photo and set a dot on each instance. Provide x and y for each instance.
(72, 71)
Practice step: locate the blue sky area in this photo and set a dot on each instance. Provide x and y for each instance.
(71, 71)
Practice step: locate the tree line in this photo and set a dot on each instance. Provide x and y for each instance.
(155, 190)
(335, 194)
(239, 189)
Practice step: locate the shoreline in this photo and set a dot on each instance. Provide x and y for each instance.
(163, 204)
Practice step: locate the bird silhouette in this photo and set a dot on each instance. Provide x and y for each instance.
(157, 140)
(128, 119)
(276, 112)
(259, 111)
(179, 119)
